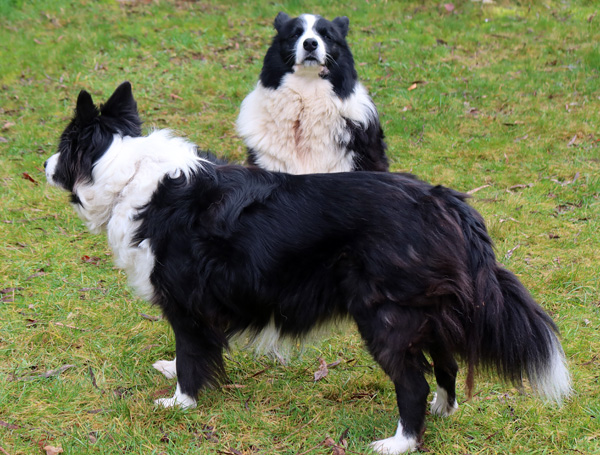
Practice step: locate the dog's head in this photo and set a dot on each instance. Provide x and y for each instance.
(310, 40)
(89, 134)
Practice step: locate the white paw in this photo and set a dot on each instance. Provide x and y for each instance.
(180, 400)
(440, 405)
(166, 367)
(395, 445)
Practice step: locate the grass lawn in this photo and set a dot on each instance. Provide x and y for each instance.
(499, 99)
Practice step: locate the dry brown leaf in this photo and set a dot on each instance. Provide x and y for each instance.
(51, 450)
(329, 442)
(26, 176)
(322, 371)
(150, 317)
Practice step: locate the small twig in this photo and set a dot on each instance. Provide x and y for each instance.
(93, 378)
(29, 220)
(4, 451)
(475, 190)
(60, 324)
(310, 450)
(298, 429)
(47, 374)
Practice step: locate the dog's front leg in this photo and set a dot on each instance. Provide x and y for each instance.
(167, 367)
(198, 361)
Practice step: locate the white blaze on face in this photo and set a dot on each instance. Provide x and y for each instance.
(310, 37)
(50, 166)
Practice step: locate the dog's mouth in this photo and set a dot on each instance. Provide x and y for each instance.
(311, 60)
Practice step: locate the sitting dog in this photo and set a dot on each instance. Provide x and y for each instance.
(224, 249)
(308, 112)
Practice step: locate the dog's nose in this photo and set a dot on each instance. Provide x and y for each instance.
(310, 44)
(45, 164)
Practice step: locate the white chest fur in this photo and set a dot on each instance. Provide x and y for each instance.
(300, 127)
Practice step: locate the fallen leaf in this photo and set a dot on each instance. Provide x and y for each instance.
(150, 317)
(60, 324)
(322, 371)
(8, 125)
(90, 260)
(329, 442)
(10, 290)
(334, 364)
(121, 392)
(10, 426)
(520, 185)
(162, 392)
(39, 272)
(449, 7)
(510, 252)
(26, 176)
(234, 386)
(175, 97)
(3, 139)
(207, 432)
(165, 438)
(51, 450)
(572, 141)
(415, 84)
(566, 182)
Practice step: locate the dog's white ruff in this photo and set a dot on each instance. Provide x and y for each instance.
(440, 405)
(180, 400)
(396, 444)
(123, 180)
(300, 127)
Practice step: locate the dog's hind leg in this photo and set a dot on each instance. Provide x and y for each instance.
(445, 369)
(392, 335)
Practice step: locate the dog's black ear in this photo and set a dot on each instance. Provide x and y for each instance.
(342, 23)
(122, 106)
(280, 20)
(85, 111)
(120, 102)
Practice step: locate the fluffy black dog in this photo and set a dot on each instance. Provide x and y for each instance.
(225, 250)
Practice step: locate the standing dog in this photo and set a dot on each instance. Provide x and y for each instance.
(226, 249)
(308, 112)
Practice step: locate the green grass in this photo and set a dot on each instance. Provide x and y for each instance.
(510, 102)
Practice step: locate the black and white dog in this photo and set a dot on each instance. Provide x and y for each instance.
(226, 249)
(309, 113)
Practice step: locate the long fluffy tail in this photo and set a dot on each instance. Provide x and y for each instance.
(506, 330)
